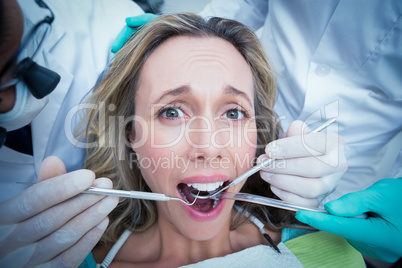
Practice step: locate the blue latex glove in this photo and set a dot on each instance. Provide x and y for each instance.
(130, 29)
(378, 236)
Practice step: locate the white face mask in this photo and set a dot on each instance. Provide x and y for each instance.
(25, 109)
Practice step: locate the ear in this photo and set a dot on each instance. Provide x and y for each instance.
(131, 139)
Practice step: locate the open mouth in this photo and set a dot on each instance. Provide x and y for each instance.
(202, 205)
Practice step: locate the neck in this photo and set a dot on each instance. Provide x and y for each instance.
(175, 244)
(165, 246)
(182, 250)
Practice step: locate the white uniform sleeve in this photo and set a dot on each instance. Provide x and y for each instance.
(251, 13)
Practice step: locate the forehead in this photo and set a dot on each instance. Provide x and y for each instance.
(197, 62)
(196, 45)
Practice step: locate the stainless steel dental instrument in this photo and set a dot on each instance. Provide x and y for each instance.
(135, 195)
(266, 201)
(256, 168)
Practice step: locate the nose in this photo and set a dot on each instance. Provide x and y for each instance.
(205, 139)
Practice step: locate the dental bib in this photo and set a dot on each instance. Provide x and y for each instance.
(258, 256)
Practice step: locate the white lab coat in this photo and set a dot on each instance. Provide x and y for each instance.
(336, 58)
(78, 49)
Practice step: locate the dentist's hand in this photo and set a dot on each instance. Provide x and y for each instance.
(51, 223)
(308, 166)
(378, 236)
(133, 23)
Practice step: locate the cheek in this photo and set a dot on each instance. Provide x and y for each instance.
(155, 166)
(246, 146)
(7, 98)
(251, 134)
(167, 136)
(157, 149)
(157, 135)
(154, 161)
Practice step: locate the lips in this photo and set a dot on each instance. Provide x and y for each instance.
(201, 205)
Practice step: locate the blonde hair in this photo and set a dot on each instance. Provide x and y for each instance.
(114, 96)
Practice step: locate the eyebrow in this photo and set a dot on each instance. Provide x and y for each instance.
(229, 90)
(174, 92)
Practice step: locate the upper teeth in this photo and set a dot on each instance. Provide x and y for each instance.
(206, 186)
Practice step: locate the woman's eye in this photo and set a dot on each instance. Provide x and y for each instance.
(172, 113)
(234, 114)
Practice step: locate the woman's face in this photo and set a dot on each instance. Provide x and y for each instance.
(194, 129)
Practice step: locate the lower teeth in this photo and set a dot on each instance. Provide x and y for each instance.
(184, 196)
(216, 202)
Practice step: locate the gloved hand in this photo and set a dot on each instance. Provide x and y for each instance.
(50, 223)
(307, 168)
(130, 29)
(378, 236)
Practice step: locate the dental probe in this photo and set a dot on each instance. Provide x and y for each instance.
(134, 194)
(130, 194)
(258, 167)
(266, 201)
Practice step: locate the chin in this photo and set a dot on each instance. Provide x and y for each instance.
(202, 226)
(203, 231)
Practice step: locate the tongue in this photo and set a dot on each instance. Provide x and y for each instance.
(203, 205)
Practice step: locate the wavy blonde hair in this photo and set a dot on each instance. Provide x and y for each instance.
(114, 97)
